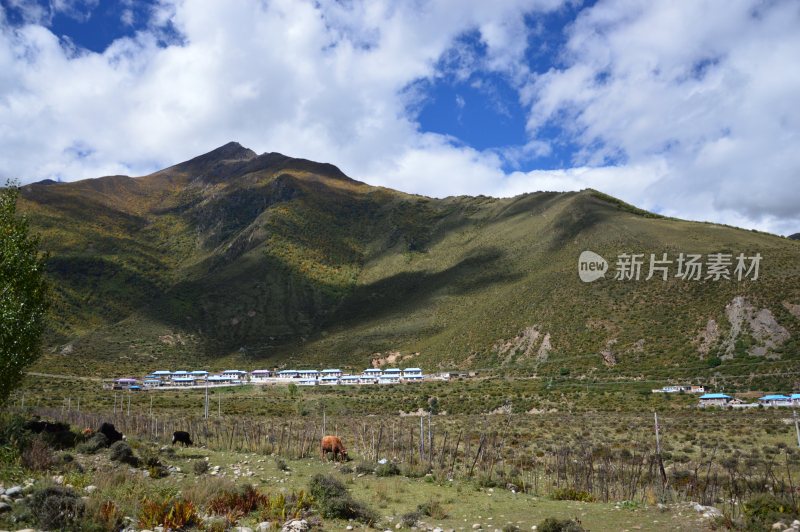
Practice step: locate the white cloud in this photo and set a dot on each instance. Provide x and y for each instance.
(675, 106)
(710, 87)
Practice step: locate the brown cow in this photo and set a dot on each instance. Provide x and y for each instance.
(332, 444)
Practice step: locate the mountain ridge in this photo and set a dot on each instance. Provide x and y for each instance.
(234, 257)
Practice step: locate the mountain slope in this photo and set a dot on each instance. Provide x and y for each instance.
(264, 260)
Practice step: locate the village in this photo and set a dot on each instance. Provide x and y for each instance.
(165, 379)
(728, 401)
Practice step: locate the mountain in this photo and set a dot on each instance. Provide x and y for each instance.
(795, 236)
(267, 260)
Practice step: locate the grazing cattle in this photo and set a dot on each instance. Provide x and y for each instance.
(181, 436)
(37, 427)
(332, 444)
(108, 430)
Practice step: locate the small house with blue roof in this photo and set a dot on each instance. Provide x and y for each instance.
(775, 400)
(715, 399)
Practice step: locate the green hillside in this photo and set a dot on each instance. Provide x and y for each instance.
(265, 260)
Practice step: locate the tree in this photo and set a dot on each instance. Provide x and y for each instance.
(23, 293)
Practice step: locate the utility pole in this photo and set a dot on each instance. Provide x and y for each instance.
(205, 406)
(796, 426)
(658, 452)
(658, 442)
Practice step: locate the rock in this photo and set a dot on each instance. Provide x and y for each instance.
(476, 526)
(4, 507)
(295, 525)
(6, 498)
(90, 489)
(438, 530)
(243, 529)
(778, 526)
(14, 491)
(263, 526)
(349, 527)
(58, 479)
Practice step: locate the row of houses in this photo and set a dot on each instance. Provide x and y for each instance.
(721, 399)
(683, 388)
(233, 377)
(368, 376)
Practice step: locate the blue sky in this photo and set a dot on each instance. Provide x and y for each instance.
(691, 109)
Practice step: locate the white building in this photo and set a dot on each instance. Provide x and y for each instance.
(260, 375)
(390, 376)
(288, 374)
(412, 375)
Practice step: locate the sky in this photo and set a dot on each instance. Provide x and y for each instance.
(686, 108)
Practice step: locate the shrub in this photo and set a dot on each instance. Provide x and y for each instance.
(334, 501)
(551, 524)
(280, 463)
(432, 508)
(200, 467)
(171, 514)
(389, 469)
(150, 457)
(37, 456)
(571, 494)
(282, 507)
(511, 528)
(763, 510)
(365, 468)
(57, 508)
(94, 444)
(410, 519)
(237, 503)
(108, 516)
(122, 452)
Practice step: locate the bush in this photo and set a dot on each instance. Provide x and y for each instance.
(764, 510)
(122, 452)
(94, 444)
(200, 467)
(389, 469)
(432, 508)
(170, 514)
(334, 501)
(280, 463)
(551, 524)
(150, 458)
(571, 494)
(37, 456)
(410, 519)
(57, 508)
(237, 503)
(365, 468)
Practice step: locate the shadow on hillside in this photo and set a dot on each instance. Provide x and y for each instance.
(406, 291)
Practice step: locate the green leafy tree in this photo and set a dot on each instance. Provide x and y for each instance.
(23, 293)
